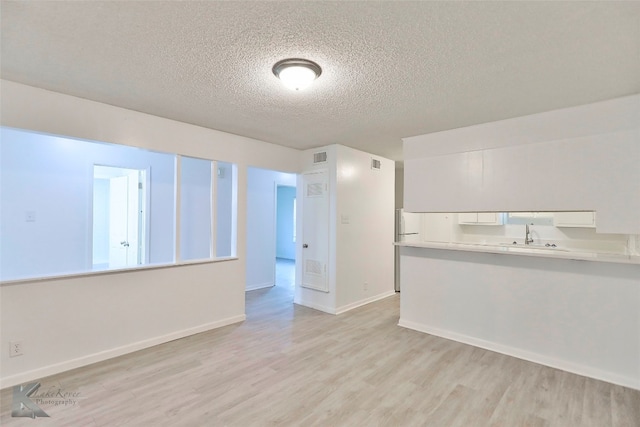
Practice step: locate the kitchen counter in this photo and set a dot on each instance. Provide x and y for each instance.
(523, 250)
(550, 308)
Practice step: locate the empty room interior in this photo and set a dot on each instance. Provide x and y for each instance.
(314, 213)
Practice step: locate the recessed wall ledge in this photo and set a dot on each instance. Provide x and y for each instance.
(115, 271)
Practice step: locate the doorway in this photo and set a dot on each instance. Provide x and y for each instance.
(119, 217)
(270, 231)
(286, 210)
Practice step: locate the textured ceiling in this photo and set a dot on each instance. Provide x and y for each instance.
(390, 69)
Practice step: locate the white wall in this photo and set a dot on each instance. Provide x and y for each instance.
(580, 158)
(261, 225)
(69, 322)
(365, 228)
(577, 316)
(361, 230)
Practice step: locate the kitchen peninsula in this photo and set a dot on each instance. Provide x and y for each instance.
(581, 316)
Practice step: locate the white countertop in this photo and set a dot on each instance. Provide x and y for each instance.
(535, 251)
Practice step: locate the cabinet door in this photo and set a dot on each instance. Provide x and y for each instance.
(574, 219)
(480, 218)
(468, 218)
(488, 218)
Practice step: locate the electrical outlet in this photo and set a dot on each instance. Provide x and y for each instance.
(365, 286)
(15, 348)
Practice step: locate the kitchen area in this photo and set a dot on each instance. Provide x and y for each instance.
(528, 238)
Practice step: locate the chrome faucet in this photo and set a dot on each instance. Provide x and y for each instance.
(527, 235)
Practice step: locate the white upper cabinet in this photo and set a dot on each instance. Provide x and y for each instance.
(481, 218)
(575, 219)
(582, 158)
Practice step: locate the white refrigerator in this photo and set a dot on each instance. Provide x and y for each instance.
(408, 229)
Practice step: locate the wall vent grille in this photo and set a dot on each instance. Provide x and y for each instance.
(314, 189)
(313, 267)
(320, 157)
(376, 164)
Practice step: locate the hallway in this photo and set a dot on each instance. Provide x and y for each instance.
(285, 272)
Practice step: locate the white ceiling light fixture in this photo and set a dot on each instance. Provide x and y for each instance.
(296, 73)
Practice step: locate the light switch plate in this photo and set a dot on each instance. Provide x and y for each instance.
(30, 216)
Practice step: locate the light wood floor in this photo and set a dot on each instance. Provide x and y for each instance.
(292, 366)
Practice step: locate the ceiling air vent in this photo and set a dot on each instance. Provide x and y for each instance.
(376, 164)
(320, 157)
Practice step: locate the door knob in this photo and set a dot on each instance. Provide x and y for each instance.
(305, 246)
(125, 243)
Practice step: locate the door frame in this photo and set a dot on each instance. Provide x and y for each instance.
(275, 227)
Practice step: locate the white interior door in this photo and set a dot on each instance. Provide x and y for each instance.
(126, 217)
(118, 221)
(315, 231)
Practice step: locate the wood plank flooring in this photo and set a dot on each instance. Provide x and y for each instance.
(288, 365)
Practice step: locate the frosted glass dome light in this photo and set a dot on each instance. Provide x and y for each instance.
(297, 74)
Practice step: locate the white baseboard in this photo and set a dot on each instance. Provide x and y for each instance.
(67, 365)
(564, 365)
(314, 306)
(344, 308)
(365, 301)
(259, 286)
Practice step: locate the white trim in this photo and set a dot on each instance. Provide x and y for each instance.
(564, 365)
(274, 229)
(260, 286)
(365, 301)
(177, 208)
(213, 205)
(315, 306)
(344, 308)
(234, 209)
(114, 352)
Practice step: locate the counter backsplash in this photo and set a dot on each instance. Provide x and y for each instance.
(444, 228)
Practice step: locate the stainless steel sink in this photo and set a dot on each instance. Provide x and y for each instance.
(535, 246)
